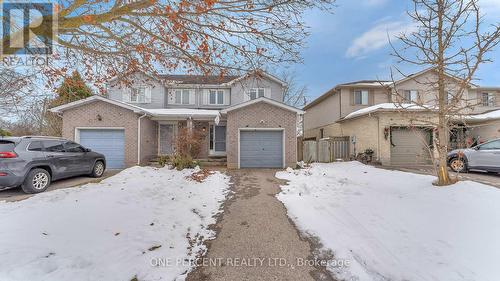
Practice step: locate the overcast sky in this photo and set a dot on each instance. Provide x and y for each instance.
(352, 44)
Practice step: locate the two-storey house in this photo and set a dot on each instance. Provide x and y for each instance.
(383, 116)
(240, 117)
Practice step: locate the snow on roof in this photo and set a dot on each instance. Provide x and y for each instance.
(367, 83)
(184, 112)
(492, 115)
(386, 107)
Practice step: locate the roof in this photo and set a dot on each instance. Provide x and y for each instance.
(258, 72)
(182, 112)
(198, 79)
(265, 100)
(360, 83)
(385, 107)
(62, 108)
(368, 83)
(490, 115)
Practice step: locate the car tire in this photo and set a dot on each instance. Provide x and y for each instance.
(37, 180)
(458, 165)
(98, 169)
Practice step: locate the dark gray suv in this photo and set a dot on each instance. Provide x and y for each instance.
(34, 162)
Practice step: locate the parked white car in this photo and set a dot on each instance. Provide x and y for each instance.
(483, 157)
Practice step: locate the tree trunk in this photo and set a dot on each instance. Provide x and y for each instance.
(443, 175)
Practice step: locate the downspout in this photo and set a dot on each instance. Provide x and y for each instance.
(378, 138)
(139, 138)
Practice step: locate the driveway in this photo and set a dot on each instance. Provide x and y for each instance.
(256, 240)
(17, 194)
(486, 178)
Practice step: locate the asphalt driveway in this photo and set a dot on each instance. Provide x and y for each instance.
(17, 194)
(256, 240)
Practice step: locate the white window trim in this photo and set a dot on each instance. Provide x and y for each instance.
(491, 99)
(217, 91)
(412, 98)
(266, 93)
(262, 129)
(367, 97)
(190, 91)
(147, 94)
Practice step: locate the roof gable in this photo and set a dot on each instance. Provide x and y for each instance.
(265, 100)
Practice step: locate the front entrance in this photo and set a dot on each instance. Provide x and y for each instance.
(217, 144)
(166, 143)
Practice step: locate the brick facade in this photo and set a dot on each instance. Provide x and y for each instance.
(261, 115)
(101, 115)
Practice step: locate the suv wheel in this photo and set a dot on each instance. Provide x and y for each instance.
(37, 180)
(98, 169)
(458, 165)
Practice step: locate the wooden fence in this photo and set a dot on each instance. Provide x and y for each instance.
(327, 150)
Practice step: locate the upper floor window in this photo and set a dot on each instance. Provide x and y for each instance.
(216, 97)
(450, 97)
(256, 93)
(361, 97)
(182, 96)
(138, 94)
(410, 96)
(487, 99)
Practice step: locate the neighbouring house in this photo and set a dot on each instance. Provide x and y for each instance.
(399, 132)
(242, 119)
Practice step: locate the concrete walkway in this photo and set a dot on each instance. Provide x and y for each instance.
(256, 240)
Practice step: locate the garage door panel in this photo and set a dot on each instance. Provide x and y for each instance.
(261, 149)
(409, 146)
(109, 142)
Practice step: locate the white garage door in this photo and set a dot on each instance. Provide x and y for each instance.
(110, 142)
(410, 146)
(261, 149)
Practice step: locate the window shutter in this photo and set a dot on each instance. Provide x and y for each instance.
(227, 97)
(371, 97)
(126, 95)
(246, 95)
(351, 96)
(205, 96)
(267, 93)
(192, 97)
(147, 94)
(170, 96)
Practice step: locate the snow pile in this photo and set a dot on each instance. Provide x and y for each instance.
(117, 229)
(492, 115)
(394, 225)
(388, 107)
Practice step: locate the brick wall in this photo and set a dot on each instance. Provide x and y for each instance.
(110, 116)
(271, 117)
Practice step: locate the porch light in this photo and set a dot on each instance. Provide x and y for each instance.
(99, 117)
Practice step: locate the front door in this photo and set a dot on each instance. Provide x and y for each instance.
(217, 139)
(167, 139)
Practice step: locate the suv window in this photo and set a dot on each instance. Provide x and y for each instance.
(53, 145)
(7, 145)
(35, 146)
(73, 147)
(490, 145)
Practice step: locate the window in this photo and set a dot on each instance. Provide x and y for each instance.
(216, 97)
(410, 96)
(73, 147)
(35, 146)
(256, 93)
(490, 145)
(182, 96)
(488, 99)
(450, 97)
(321, 133)
(53, 146)
(361, 97)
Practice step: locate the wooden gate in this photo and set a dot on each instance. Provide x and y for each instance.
(327, 150)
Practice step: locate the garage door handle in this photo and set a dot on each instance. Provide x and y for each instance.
(50, 156)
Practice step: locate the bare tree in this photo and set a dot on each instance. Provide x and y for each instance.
(112, 38)
(15, 90)
(451, 38)
(294, 94)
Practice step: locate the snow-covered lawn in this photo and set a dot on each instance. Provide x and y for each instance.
(396, 226)
(113, 230)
